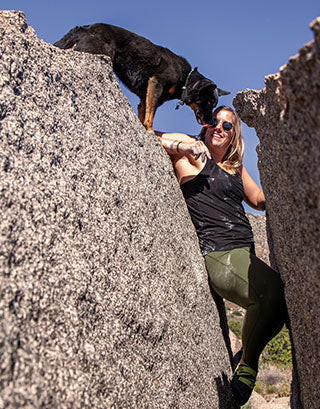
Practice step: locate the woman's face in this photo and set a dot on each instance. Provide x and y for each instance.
(217, 138)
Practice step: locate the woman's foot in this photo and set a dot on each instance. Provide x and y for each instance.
(242, 383)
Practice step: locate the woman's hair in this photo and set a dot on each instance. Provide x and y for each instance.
(234, 155)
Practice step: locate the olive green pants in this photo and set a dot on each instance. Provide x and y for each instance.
(242, 278)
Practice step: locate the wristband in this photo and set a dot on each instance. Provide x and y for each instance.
(171, 145)
(178, 146)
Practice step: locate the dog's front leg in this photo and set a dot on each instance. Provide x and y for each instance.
(142, 111)
(154, 91)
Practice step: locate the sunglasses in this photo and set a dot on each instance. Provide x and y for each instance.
(227, 126)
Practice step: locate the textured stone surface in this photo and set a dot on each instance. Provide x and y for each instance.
(258, 224)
(280, 403)
(104, 297)
(286, 117)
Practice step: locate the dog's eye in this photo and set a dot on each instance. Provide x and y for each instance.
(204, 102)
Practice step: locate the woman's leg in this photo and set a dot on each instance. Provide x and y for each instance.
(242, 278)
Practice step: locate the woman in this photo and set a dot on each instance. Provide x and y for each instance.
(214, 183)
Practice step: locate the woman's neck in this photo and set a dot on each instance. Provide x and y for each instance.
(218, 157)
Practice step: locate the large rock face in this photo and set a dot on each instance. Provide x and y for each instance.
(104, 297)
(286, 116)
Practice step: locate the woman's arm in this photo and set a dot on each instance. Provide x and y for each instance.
(179, 144)
(253, 195)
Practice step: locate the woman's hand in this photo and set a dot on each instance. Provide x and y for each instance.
(196, 149)
(178, 144)
(185, 152)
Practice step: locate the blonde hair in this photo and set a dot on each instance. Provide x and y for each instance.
(234, 155)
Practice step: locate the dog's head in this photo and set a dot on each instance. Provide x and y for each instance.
(202, 96)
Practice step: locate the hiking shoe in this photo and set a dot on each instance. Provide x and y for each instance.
(242, 383)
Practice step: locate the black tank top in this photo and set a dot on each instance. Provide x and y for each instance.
(214, 199)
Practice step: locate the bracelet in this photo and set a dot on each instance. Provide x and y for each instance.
(171, 145)
(178, 146)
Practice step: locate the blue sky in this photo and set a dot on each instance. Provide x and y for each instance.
(234, 43)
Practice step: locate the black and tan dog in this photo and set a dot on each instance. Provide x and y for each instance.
(152, 72)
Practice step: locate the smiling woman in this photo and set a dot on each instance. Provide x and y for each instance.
(214, 183)
(225, 139)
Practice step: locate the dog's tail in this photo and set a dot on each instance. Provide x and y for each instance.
(70, 39)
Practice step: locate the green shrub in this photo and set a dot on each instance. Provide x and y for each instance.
(235, 327)
(278, 350)
(237, 313)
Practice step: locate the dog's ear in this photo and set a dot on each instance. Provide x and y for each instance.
(205, 85)
(222, 92)
(201, 88)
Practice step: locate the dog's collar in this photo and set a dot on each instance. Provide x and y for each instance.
(184, 90)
